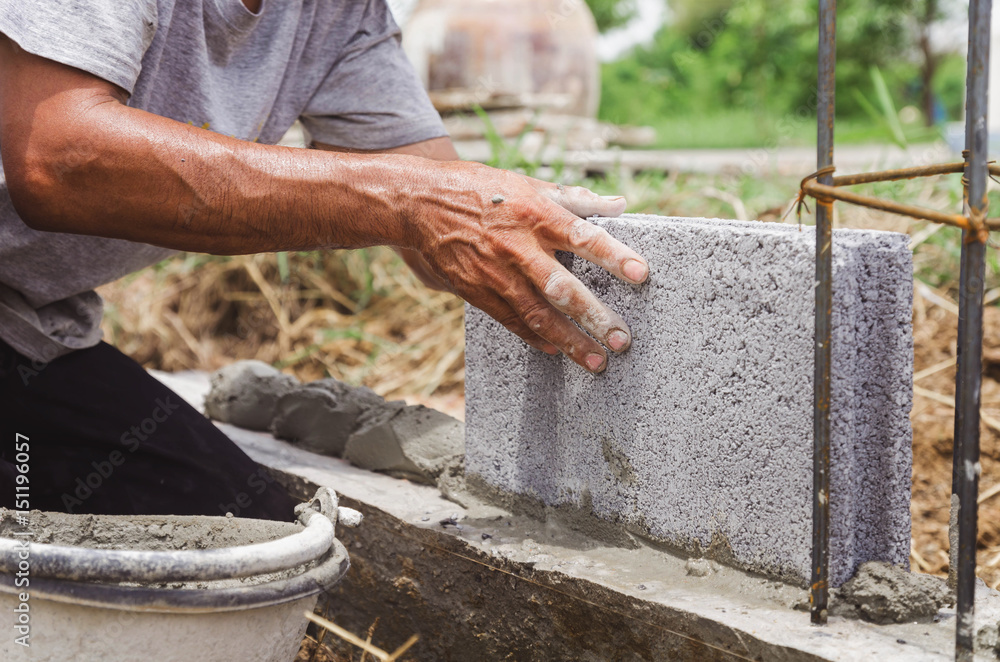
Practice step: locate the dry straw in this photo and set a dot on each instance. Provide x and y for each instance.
(366, 646)
(359, 316)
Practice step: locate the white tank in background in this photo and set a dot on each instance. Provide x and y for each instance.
(497, 53)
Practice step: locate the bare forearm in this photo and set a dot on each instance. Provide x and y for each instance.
(133, 175)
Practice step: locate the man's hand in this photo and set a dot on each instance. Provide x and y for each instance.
(78, 159)
(422, 270)
(532, 294)
(493, 239)
(502, 260)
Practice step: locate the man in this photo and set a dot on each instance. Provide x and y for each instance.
(131, 129)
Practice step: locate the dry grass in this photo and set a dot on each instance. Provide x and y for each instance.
(358, 316)
(933, 427)
(313, 650)
(328, 646)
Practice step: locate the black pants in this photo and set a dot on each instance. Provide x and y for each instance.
(97, 434)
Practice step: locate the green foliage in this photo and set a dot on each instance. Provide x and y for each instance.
(283, 269)
(886, 114)
(611, 13)
(949, 84)
(759, 56)
(508, 155)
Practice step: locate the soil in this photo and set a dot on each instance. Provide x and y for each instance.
(935, 331)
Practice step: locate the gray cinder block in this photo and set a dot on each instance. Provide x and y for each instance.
(700, 436)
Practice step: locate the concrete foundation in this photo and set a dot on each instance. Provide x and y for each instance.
(478, 582)
(481, 583)
(700, 436)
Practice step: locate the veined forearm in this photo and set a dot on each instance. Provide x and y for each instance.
(128, 174)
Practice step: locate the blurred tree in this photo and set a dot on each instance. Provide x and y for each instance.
(761, 54)
(612, 13)
(943, 76)
(929, 13)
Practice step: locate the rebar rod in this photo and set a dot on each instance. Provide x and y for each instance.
(912, 172)
(818, 590)
(907, 173)
(811, 186)
(970, 340)
(822, 192)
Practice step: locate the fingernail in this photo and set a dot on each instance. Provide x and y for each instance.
(613, 198)
(549, 349)
(594, 362)
(617, 340)
(635, 271)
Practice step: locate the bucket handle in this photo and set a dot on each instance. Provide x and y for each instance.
(320, 515)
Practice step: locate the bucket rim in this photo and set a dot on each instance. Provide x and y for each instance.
(322, 577)
(132, 565)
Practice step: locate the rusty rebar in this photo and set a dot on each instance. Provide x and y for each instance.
(902, 173)
(818, 588)
(970, 340)
(975, 226)
(823, 192)
(811, 185)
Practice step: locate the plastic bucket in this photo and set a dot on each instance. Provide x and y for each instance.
(163, 588)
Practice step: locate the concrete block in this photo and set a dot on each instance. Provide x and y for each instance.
(700, 436)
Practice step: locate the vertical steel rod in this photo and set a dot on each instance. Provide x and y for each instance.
(818, 590)
(970, 341)
(956, 476)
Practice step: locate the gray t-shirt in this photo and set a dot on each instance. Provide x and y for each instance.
(335, 64)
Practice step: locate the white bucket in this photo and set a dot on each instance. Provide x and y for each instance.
(163, 588)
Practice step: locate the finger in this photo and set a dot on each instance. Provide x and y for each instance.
(571, 297)
(593, 243)
(498, 308)
(579, 200)
(545, 320)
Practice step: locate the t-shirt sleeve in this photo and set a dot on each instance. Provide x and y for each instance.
(106, 38)
(372, 98)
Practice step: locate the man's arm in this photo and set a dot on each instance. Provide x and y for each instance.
(77, 159)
